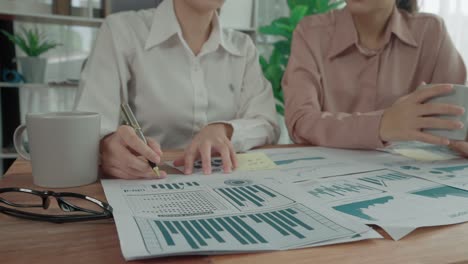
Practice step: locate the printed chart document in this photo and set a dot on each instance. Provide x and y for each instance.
(422, 151)
(253, 161)
(397, 202)
(297, 164)
(222, 214)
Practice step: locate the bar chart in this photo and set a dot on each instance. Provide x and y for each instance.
(266, 230)
(252, 196)
(175, 186)
(383, 179)
(339, 190)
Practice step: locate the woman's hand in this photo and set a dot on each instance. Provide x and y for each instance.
(124, 155)
(213, 139)
(405, 120)
(460, 147)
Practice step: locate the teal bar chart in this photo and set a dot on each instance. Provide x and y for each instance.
(337, 190)
(260, 231)
(382, 180)
(175, 186)
(251, 196)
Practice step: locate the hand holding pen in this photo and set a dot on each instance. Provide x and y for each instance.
(125, 155)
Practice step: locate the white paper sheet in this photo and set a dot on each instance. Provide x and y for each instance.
(298, 164)
(222, 214)
(397, 202)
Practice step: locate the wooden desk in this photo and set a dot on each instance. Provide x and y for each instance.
(23, 241)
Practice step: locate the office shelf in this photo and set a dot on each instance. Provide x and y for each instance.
(51, 19)
(37, 85)
(8, 153)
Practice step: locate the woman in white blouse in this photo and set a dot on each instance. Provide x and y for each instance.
(191, 84)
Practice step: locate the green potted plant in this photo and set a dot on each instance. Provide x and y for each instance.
(33, 44)
(283, 28)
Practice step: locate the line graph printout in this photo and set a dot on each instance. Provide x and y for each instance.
(316, 162)
(397, 202)
(221, 215)
(453, 172)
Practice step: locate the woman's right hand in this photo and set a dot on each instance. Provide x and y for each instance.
(124, 155)
(406, 119)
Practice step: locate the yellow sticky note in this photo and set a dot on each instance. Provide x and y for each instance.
(255, 161)
(421, 155)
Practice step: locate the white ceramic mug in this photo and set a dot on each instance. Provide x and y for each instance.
(459, 97)
(64, 148)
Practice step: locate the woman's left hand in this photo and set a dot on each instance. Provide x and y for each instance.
(213, 139)
(460, 147)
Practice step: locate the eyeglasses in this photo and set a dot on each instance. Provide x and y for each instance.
(30, 204)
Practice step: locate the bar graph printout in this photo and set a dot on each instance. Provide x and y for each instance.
(199, 215)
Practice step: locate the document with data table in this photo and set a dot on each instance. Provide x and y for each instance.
(222, 214)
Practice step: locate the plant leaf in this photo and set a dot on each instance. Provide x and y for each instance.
(284, 27)
(297, 14)
(30, 41)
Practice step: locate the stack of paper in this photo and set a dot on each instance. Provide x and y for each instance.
(221, 215)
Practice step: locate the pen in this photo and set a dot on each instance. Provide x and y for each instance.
(132, 121)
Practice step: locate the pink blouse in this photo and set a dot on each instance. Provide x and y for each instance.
(336, 91)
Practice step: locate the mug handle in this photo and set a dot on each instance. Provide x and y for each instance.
(19, 143)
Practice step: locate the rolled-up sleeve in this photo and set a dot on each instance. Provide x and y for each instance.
(256, 123)
(104, 81)
(306, 122)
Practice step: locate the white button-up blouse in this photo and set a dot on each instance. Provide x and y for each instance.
(141, 58)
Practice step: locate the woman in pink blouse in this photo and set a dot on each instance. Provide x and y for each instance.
(352, 76)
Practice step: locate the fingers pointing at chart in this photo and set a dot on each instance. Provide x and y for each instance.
(212, 140)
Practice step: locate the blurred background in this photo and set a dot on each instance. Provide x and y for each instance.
(73, 24)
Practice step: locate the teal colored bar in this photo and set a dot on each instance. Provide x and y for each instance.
(171, 227)
(230, 230)
(200, 229)
(161, 186)
(196, 184)
(264, 191)
(284, 219)
(371, 181)
(154, 186)
(246, 196)
(169, 186)
(255, 219)
(297, 221)
(250, 230)
(176, 186)
(215, 225)
(285, 226)
(260, 199)
(212, 231)
(187, 237)
(231, 197)
(290, 210)
(389, 177)
(189, 184)
(400, 176)
(331, 190)
(165, 233)
(235, 194)
(252, 189)
(240, 230)
(274, 225)
(194, 233)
